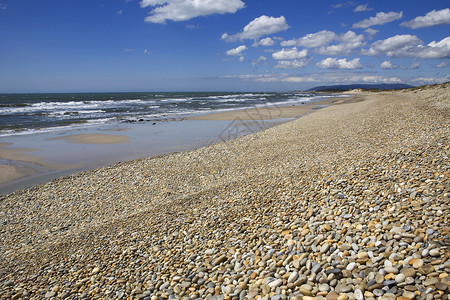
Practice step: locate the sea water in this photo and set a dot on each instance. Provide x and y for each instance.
(33, 113)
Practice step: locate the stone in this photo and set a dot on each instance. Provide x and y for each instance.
(351, 266)
(441, 286)
(399, 278)
(316, 268)
(275, 283)
(435, 252)
(430, 281)
(293, 277)
(334, 271)
(358, 294)
(409, 272)
(324, 287)
(332, 296)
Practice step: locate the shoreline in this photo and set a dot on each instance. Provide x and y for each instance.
(351, 201)
(24, 170)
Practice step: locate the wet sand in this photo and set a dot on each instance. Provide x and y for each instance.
(95, 138)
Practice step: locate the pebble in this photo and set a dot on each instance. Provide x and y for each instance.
(399, 278)
(441, 286)
(434, 252)
(358, 294)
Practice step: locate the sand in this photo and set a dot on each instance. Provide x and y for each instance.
(94, 138)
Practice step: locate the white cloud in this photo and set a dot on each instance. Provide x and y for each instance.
(443, 64)
(312, 40)
(118, 12)
(237, 51)
(392, 45)
(3, 6)
(260, 60)
(333, 63)
(415, 65)
(330, 77)
(129, 50)
(241, 59)
(267, 42)
(363, 7)
(431, 80)
(410, 46)
(192, 26)
(349, 42)
(379, 19)
(387, 65)
(183, 10)
(257, 28)
(291, 53)
(343, 4)
(293, 64)
(371, 32)
(146, 52)
(434, 49)
(433, 18)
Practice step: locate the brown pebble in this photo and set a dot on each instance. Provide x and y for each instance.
(410, 288)
(441, 286)
(332, 296)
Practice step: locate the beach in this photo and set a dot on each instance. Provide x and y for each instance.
(350, 201)
(46, 136)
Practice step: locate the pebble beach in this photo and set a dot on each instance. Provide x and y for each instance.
(351, 201)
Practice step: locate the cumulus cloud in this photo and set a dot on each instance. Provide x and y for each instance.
(443, 64)
(391, 46)
(388, 65)
(434, 49)
(349, 41)
(267, 42)
(291, 53)
(345, 42)
(312, 40)
(257, 28)
(433, 18)
(333, 63)
(410, 46)
(363, 7)
(379, 19)
(293, 64)
(237, 51)
(183, 10)
(371, 32)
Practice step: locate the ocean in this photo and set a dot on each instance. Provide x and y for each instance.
(34, 113)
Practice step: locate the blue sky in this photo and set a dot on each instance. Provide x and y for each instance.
(220, 45)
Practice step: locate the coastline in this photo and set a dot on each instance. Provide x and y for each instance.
(300, 209)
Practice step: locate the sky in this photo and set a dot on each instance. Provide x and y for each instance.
(220, 45)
